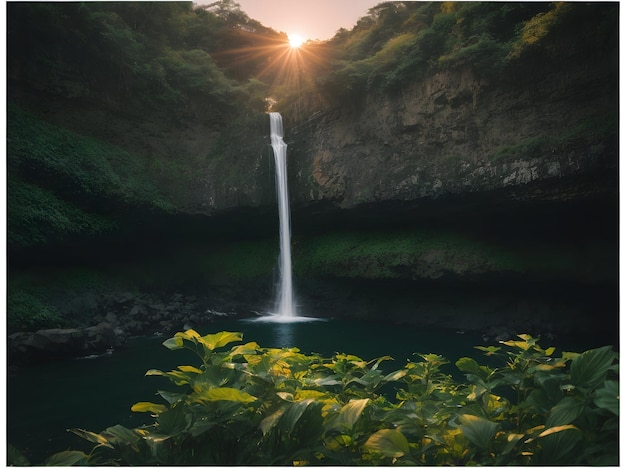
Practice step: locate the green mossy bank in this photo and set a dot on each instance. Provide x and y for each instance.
(65, 186)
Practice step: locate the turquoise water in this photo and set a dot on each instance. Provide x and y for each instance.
(93, 394)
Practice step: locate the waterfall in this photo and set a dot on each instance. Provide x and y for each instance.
(285, 307)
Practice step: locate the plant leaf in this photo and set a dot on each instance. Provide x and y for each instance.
(147, 407)
(607, 396)
(389, 442)
(293, 413)
(223, 394)
(171, 397)
(119, 434)
(67, 459)
(565, 411)
(15, 457)
(173, 343)
(394, 376)
(467, 364)
(589, 369)
(479, 431)
(92, 437)
(554, 429)
(557, 445)
(248, 348)
(217, 340)
(351, 412)
(270, 421)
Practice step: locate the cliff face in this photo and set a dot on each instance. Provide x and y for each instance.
(548, 135)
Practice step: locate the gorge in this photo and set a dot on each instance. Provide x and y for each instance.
(467, 182)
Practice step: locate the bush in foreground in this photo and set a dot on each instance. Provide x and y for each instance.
(249, 405)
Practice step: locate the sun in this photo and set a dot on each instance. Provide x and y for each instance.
(295, 40)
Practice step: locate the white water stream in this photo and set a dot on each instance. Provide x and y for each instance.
(285, 306)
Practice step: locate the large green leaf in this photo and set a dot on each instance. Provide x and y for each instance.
(557, 447)
(67, 459)
(479, 431)
(294, 413)
(467, 364)
(607, 396)
(565, 412)
(351, 412)
(270, 421)
(174, 420)
(389, 442)
(589, 369)
(119, 434)
(15, 458)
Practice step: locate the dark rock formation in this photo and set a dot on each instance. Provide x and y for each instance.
(550, 137)
(56, 343)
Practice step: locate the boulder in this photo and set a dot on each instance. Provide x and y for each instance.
(56, 343)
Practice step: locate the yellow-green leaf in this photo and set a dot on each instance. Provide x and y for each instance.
(389, 442)
(479, 431)
(351, 412)
(217, 340)
(147, 407)
(554, 429)
(224, 394)
(248, 348)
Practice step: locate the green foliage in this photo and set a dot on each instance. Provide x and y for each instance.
(37, 216)
(398, 43)
(26, 312)
(586, 132)
(64, 184)
(402, 254)
(140, 56)
(248, 405)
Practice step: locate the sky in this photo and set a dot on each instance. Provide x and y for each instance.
(310, 19)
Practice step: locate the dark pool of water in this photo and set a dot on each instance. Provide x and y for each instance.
(44, 401)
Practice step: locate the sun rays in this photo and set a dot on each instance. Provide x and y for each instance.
(288, 61)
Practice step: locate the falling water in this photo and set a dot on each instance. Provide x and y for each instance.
(285, 307)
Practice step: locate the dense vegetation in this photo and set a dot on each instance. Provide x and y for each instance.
(399, 42)
(250, 405)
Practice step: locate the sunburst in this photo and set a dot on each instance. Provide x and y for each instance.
(295, 41)
(288, 67)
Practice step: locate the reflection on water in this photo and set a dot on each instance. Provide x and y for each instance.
(284, 334)
(282, 329)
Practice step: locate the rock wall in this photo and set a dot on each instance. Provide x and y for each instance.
(551, 135)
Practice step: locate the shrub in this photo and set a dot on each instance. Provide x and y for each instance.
(26, 312)
(260, 406)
